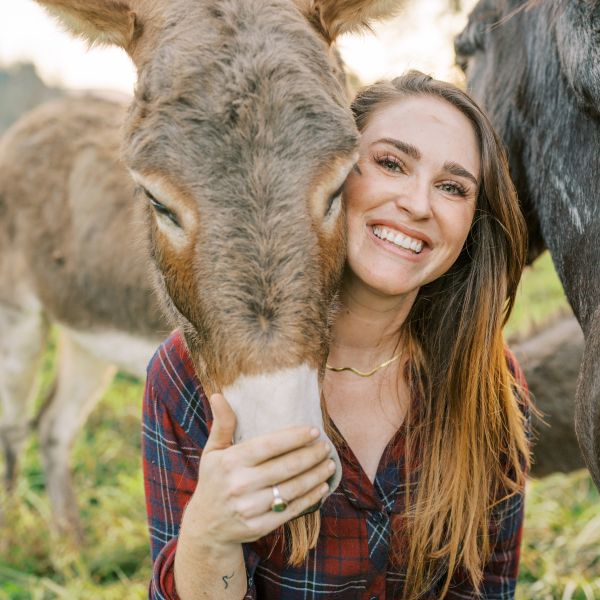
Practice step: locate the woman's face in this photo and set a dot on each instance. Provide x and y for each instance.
(411, 198)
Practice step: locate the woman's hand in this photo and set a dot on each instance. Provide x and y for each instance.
(234, 493)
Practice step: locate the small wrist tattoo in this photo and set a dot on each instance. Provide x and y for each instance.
(226, 579)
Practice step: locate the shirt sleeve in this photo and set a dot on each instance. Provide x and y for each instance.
(175, 427)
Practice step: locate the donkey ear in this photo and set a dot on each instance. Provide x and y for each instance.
(335, 17)
(110, 22)
(472, 38)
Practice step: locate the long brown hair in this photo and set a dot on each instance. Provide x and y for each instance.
(466, 429)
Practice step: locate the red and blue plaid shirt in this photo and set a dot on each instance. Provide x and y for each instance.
(350, 560)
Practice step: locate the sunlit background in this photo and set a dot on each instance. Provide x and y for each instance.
(420, 37)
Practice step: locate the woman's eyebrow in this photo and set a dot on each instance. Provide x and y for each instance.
(459, 171)
(412, 151)
(451, 167)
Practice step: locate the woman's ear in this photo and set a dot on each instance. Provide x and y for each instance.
(110, 22)
(334, 17)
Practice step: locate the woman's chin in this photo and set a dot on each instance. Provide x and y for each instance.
(387, 283)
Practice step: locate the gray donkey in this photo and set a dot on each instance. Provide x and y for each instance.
(536, 68)
(239, 138)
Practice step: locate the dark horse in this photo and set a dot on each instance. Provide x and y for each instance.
(535, 66)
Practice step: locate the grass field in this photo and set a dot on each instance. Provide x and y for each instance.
(561, 550)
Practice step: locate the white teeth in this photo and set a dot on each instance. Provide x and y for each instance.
(398, 239)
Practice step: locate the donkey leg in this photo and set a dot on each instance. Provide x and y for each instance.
(587, 400)
(82, 378)
(22, 341)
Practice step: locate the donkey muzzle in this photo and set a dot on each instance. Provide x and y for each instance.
(285, 398)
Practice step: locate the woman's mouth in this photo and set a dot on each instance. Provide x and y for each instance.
(400, 240)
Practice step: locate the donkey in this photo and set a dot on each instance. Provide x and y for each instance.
(238, 139)
(535, 67)
(70, 253)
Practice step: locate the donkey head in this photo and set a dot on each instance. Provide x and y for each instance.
(240, 138)
(492, 50)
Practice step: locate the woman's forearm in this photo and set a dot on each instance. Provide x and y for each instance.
(208, 572)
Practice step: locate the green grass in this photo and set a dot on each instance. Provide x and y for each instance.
(539, 299)
(114, 562)
(560, 557)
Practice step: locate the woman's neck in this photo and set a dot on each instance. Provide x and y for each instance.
(366, 328)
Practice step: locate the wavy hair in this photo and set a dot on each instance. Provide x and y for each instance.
(467, 422)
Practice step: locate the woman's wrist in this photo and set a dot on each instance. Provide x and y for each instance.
(198, 541)
(196, 535)
(205, 569)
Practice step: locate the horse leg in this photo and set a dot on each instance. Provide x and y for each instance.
(22, 341)
(587, 400)
(82, 379)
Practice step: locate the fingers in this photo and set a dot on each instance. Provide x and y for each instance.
(270, 520)
(274, 471)
(288, 466)
(262, 448)
(223, 426)
(294, 489)
(235, 483)
(297, 488)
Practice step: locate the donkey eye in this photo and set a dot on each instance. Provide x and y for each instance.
(333, 200)
(161, 209)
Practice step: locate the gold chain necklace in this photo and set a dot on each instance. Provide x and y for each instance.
(361, 373)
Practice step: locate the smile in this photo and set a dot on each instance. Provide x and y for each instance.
(398, 239)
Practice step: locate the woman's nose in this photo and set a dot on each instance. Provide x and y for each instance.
(415, 199)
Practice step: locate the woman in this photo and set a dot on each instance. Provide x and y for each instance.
(426, 407)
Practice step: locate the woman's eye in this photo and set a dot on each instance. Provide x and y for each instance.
(390, 163)
(161, 209)
(453, 188)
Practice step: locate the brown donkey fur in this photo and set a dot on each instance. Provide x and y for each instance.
(70, 253)
(239, 138)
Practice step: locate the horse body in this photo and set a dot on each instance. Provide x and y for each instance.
(533, 66)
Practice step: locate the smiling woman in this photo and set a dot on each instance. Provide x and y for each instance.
(409, 203)
(426, 407)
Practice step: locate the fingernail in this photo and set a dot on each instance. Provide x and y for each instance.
(331, 466)
(324, 488)
(314, 432)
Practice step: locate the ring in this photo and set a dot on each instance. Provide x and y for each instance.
(278, 504)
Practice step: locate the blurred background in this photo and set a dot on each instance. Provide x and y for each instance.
(38, 61)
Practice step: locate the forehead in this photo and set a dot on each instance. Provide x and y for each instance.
(435, 127)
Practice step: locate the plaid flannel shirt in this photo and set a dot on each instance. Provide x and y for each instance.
(350, 560)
